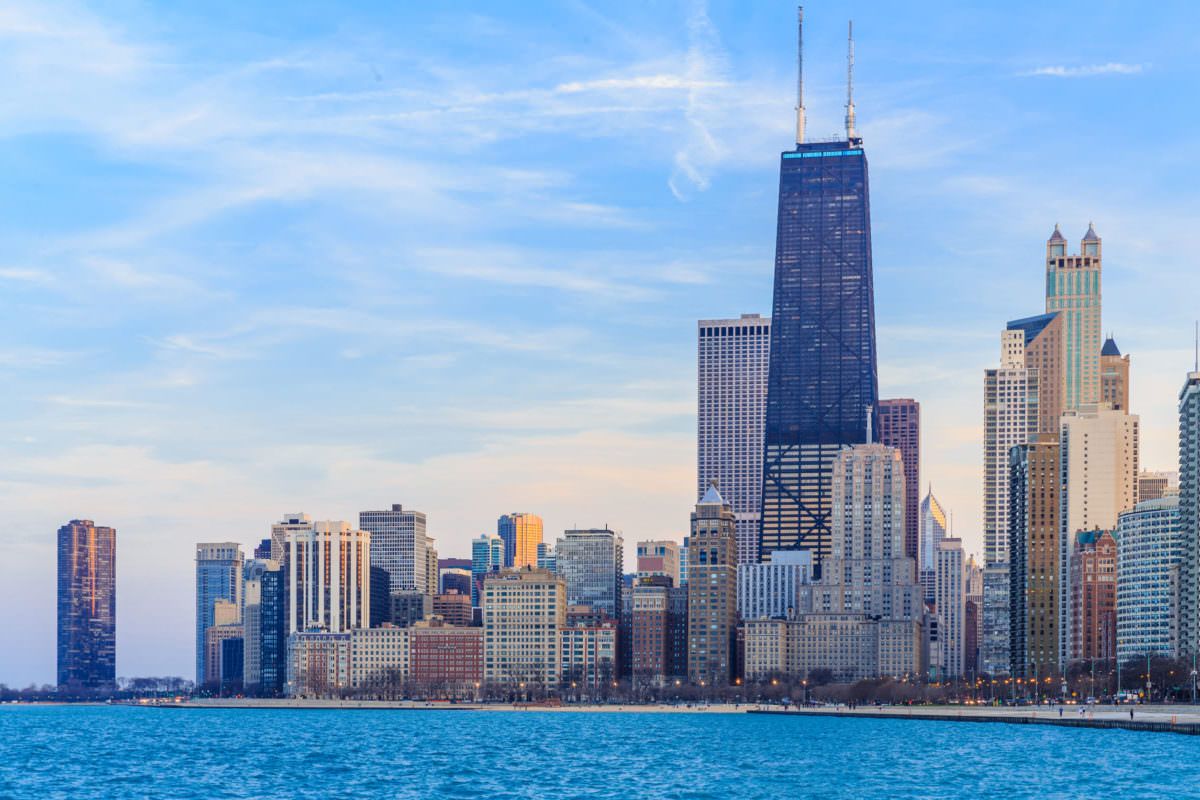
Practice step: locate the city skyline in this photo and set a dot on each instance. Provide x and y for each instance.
(183, 413)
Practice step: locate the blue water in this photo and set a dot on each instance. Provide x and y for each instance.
(192, 753)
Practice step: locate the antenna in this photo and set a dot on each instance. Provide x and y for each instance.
(1196, 363)
(800, 75)
(850, 133)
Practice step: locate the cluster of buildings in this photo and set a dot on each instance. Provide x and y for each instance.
(809, 549)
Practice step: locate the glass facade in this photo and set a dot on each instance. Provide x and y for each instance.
(822, 382)
(592, 562)
(87, 605)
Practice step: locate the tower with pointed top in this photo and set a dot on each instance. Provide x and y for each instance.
(1073, 287)
(712, 591)
(821, 383)
(1114, 376)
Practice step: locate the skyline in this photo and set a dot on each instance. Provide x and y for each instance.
(252, 345)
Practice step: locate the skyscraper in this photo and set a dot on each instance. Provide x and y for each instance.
(487, 556)
(218, 577)
(900, 427)
(731, 376)
(87, 606)
(933, 530)
(712, 591)
(1073, 287)
(1189, 517)
(1022, 398)
(1035, 574)
(329, 578)
(522, 533)
(297, 521)
(822, 385)
(1098, 480)
(592, 561)
(1114, 376)
(951, 605)
(398, 544)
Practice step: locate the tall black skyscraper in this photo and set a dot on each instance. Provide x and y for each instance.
(87, 606)
(821, 384)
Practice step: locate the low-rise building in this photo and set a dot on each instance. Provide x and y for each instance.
(778, 588)
(445, 660)
(588, 655)
(852, 646)
(379, 658)
(318, 664)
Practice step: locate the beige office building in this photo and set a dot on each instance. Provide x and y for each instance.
(523, 610)
(658, 557)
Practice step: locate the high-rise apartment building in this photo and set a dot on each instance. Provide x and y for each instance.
(298, 521)
(659, 557)
(1149, 547)
(780, 588)
(329, 578)
(399, 544)
(218, 577)
(591, 561)
(87, 606)
(1035, 573)
(731, 373)
(1189, 517)
(264, 627)
(487, 556)
(1073, 288)
(973, 617)
(658, 629)
(523, 611)
(822, 386)
(1022, 398)
(522, 533)
(900, 427)
(1099, 453)
(950, 601)
(712, 591)
(1114, 376)
(1093, 597)
(933, 530)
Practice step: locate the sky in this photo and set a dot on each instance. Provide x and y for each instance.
(259, 258)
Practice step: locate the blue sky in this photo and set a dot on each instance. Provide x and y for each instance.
(265, 257)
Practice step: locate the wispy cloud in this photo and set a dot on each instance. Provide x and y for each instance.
(652, 82)
(1085, 70)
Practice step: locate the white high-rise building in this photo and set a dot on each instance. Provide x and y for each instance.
(933, 530)
(732, 358)
(329, 578)
(951, 605)
(1188, 613)
(398, 545)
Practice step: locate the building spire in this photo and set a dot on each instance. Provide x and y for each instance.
(850, 132)
(800, 75)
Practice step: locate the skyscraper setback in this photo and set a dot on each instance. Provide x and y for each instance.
(822, 385)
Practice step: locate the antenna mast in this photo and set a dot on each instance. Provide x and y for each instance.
(850, 132)
(800, 75)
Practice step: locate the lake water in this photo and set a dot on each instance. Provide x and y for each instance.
(119, 752)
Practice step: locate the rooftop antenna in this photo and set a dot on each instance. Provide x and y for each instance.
(1196, 362)
(850, 133)
(800, 75)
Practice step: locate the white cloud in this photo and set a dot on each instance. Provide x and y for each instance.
(641, 82)
(1086, 70)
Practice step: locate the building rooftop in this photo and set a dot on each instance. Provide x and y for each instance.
(1032, 326)
(1110, 348)
(1057, 235)
(1091, 235)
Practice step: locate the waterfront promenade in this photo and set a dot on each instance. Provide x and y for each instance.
(1162, 718)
